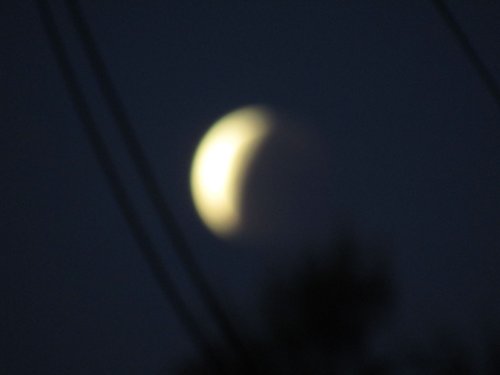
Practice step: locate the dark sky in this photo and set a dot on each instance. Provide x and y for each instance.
(413, 134)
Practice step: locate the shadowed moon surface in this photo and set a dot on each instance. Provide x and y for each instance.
(258, 177)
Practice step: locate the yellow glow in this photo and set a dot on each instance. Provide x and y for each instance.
(220, 164)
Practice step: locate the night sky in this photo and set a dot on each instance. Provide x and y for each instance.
(412, 133)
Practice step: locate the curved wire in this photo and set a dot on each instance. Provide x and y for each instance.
(135, 149)
(486, 76)
(105, 160)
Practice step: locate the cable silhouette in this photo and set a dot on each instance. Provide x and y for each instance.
(152, 187)
(486, 76)
(105, 160)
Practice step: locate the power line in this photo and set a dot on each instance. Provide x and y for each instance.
(125, 204)
(483, 71)
(135, 149)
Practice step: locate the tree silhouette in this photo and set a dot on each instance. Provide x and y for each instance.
(320, 321)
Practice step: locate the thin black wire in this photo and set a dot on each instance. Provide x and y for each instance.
(486, 76)
(106, 162)
(169, 224)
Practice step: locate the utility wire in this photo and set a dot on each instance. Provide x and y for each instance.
(169, 224)
(106, 162)
(486, 76)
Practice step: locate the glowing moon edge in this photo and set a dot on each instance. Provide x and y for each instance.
(220, 165)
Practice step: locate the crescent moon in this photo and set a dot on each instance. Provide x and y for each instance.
(221, 163)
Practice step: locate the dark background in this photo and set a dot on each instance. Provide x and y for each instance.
(412, 132)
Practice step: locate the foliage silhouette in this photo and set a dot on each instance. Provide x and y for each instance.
(322, 319)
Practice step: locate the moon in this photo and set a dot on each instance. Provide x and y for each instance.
(221, 163)
(257, 178)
